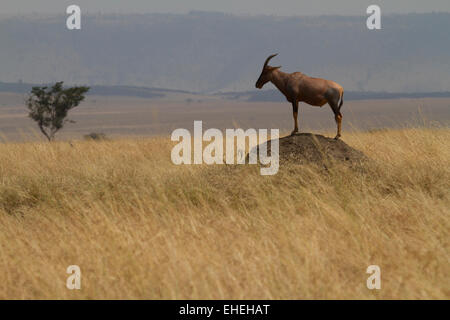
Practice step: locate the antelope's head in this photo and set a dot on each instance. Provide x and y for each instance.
(266, 73)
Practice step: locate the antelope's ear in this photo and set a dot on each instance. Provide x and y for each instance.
(276, 68)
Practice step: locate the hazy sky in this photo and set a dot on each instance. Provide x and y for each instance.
(269, 7)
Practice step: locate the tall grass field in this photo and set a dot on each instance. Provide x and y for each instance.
(140, 227)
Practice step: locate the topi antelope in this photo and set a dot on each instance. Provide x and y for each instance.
(298, 87)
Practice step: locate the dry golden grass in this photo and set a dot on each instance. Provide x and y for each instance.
(141, 227)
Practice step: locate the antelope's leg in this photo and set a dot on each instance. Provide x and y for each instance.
(338, 118)
(295, 115)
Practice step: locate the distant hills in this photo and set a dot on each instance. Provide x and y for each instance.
(275, 95)
(130, 91)
(251, 96)
(211, 52)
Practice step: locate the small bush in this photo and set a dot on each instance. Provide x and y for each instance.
(95, 136)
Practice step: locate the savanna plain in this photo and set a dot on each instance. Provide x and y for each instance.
(141, 227)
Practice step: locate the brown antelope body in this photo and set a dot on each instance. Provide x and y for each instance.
(298, 87)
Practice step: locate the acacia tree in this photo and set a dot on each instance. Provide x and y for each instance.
(49, 106)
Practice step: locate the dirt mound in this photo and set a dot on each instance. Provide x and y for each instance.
(307, 147)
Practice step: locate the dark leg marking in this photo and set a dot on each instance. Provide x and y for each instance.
(295, 115)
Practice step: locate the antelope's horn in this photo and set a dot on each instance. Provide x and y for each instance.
(268, 59)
